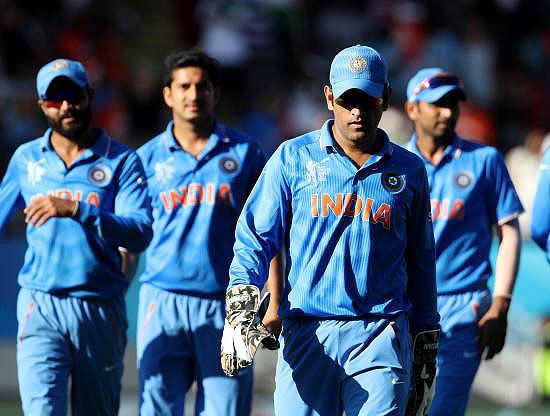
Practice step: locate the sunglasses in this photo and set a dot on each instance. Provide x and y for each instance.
(55, 98)
(351, 99)
(436, 81)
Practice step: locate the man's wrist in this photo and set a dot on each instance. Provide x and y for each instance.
(75, 209)
(502, 302)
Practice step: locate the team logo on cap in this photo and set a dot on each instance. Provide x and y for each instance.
(357, 64)
(60, 64)
(229, 165)
(463, 179)
(99, 174)
(392, 182)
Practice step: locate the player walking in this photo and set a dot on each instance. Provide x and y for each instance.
(540, 223)
(200, 173)
(352, 210)
(470, 192)
(84, 196)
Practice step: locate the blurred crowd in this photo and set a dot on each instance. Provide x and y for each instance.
(276, 55)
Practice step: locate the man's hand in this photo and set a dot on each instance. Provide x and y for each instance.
(423, 373)
(42, 208)
(492, 327)
(243, 331)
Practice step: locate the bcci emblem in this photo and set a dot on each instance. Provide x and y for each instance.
(392, 182)
(99, 175)
(463, 180)
(357, 64)
(60, 64)
(229, 165)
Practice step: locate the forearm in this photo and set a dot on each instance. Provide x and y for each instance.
(134, 234)
(274, 282)
(507, 261)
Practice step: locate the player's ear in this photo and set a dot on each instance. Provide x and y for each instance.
(167, 94)
(329, 97)
(386, 97)
(411, 109)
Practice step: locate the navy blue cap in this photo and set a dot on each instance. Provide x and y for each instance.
(430, 84)
(68, 68)
(358, 67)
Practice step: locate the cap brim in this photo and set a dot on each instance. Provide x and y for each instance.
(432, 95)
(373, 89)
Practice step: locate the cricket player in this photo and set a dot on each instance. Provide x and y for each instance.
(84, 196)
(540, 222)
(470, 192)
(351, 210)
(200, 173)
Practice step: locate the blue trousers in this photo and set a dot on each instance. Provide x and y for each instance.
(62, 337)
(179, 338)
(326, 367)
(458, 357)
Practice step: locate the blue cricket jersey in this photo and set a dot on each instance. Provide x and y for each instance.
(540, 222)
(470, 191)
(196, 203)
(358, 241)
(79, 256)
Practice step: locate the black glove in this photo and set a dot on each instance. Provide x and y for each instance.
(423, 373)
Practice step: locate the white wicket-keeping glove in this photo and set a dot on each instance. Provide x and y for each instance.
(243, 331)
(423, 373)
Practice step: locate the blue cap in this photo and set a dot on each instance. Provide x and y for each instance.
(72, 70)
(358, 67)
(430, 84)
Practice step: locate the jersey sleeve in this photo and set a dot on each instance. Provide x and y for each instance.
(130, 224)
(10, 193)
(540, 221)
(503, 201)
(257, 162)
(420, 258)
(261, 226)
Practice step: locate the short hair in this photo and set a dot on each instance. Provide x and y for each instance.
(192, 57)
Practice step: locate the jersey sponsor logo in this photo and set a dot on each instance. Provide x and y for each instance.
(229, 165)
(164, 171)
(35, 171)
(357, 64)
(350, 205)
(392, 182)
(78, 195)
(316, 172)
(99, 174)
(447, 209)
(196, 194)
(463, 179)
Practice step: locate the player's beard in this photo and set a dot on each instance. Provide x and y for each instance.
(83, 118)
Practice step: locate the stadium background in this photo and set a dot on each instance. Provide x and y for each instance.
(276, 56)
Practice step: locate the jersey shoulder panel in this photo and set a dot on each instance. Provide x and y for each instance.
(147, 151)
(406, 157)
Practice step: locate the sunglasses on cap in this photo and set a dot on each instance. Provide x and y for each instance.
(436, 81)
(56, 97)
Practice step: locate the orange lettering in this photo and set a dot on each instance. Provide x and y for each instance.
(327, 202)
(383, 215)
(314, 205)
(195, 194)
(93, 199)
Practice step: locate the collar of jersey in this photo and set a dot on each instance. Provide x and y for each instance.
(100, 147)
(217, 135)
(327, 141)
(454, 149)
